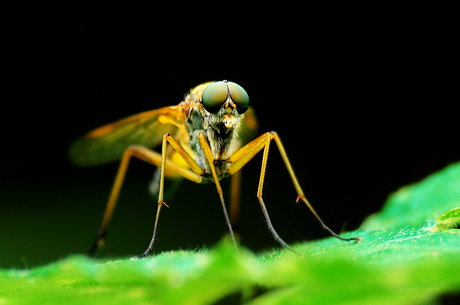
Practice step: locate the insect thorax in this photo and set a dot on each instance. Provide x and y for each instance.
(221, 132)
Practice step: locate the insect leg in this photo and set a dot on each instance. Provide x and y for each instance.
(235, 192)
(244, 155)
(209, 157)
(148, 156)
(167, 138)
(300, 193)
(112, 200)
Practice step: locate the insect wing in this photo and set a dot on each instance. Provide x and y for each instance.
(109, 142)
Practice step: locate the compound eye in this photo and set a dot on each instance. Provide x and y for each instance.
(214, 97)
(239, 97)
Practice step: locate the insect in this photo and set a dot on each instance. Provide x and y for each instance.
(201, 140)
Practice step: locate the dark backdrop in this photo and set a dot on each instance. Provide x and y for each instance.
(364, 98)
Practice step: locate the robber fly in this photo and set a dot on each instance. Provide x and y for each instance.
(201, 140)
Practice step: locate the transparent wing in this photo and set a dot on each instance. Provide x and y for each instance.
(109, 142)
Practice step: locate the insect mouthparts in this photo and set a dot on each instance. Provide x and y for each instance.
(228, 120)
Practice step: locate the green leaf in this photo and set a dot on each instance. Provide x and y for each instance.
(412, 206)
(408, 255)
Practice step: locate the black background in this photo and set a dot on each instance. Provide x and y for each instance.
(364, 98)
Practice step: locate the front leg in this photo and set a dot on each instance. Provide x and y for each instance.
(244, 155)
(194, 176)
(209, 157)
(247, 152)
